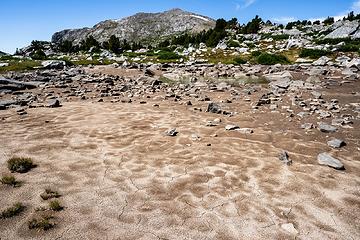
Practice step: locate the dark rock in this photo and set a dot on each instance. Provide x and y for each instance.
(54, 103)
(214, 108)
(171, 132)
(284, 157)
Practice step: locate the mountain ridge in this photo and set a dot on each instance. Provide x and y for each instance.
(140, 27)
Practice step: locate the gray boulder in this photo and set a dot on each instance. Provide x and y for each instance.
(230, 127)
(345, 30)
(53, 103)
(53, 64)
(336, 143)
(323, 127)
(326, 159)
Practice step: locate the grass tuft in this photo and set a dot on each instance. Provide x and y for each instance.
(48, 194)
(271, 59)
(9, 180)
(15, 210)
(20, 164)
(42, 223)
(55, 205)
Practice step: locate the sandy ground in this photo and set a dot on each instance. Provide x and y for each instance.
(121, 178)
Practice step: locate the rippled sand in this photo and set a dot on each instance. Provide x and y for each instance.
(122, 178)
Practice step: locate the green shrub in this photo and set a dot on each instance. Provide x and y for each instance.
(20, 65)
(48, 194)
(232, 43)
(55, 205)
(239, 60)
(38, 55)
(334, 41)
(255, 54)
(15, 210)
(275, 37)
(163, 55)
(20, 164)
(9, 180)
(313, 53)
(42, 223)
(349, 48)
(271, 59)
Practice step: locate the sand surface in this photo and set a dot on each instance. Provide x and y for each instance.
(121, 178)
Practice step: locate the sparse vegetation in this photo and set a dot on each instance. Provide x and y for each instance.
(42, 223)
(20, 65)
(239, 60)
(49, 193)
(313, 53)
(20, 164)
(164, 55)
(15, 210)
(271, 59)
(349, 48)
(55, 205)
(9, 180)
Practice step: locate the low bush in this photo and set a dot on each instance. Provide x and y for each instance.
(20, 164)
(239, 60)
(15, 210)
(38, 55)
(313, 53)
(271, 59)
(42, 223)
(48, 194)
(55, 205)
(349, 48)
(233, 43)
(9, 180)
(255, 54)
(163, 55)
(334, 41)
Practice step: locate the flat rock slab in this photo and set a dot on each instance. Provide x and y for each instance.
(336, 143)
(289, 227)
(323, 127)
(327, 159)
(230, 127)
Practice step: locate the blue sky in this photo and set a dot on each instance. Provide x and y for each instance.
(24, 20)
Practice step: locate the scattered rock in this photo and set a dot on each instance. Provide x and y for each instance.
(245, 130)
(53, 64)
(326, 159)
(323, 127)
(214, 108)
(307, 126)
(336, 143)
(284, 157)
(171, 132)
(289, 227)
(54, 103)
(230, 127)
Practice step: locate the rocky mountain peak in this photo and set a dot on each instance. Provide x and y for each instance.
(148, 27)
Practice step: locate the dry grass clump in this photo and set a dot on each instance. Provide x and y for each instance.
(20, 164)
(9, 180)
(15, 210)
(41, 223)
(55, 205)
(49, 193)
